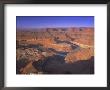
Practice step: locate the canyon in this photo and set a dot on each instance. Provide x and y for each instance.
(55, 50)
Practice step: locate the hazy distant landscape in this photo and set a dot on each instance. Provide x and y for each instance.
(55, 50)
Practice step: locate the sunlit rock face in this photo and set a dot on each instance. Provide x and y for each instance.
(82, 54)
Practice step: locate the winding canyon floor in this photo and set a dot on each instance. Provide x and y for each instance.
(55, 51)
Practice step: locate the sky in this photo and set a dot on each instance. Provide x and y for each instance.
(54, 21)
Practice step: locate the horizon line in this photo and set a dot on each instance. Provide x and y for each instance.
(54, 27)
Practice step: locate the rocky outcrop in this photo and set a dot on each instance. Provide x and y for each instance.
(29, 54)
(29, 69)
(81, 54)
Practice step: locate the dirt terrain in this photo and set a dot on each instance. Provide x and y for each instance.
(55, 51)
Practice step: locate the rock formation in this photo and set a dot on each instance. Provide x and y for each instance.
(55, 49)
